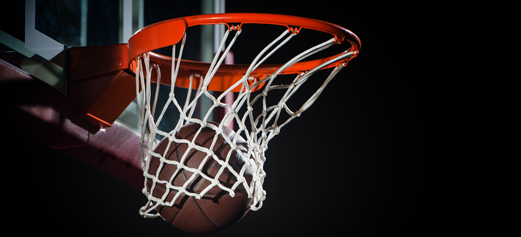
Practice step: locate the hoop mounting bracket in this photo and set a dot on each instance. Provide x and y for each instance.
(100, 87)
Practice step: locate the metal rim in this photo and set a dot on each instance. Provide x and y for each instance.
(171, 32)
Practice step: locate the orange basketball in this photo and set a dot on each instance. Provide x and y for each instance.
(216, 210)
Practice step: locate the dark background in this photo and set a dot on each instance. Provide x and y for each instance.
(369, 158)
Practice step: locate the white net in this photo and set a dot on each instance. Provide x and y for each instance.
(256, 127)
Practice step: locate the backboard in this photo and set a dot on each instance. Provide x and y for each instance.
(35, 43)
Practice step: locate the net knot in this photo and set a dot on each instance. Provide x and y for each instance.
(276, 130)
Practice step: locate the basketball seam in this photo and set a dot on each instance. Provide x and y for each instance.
(221, 148)
(195, 200)
(207, 218)
(179, 209)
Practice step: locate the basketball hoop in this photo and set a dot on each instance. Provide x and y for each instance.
(253, 82)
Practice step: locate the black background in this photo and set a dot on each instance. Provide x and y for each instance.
(369, 158)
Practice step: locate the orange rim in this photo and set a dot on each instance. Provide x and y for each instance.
(171, 32)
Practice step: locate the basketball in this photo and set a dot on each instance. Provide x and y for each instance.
(216, 210)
